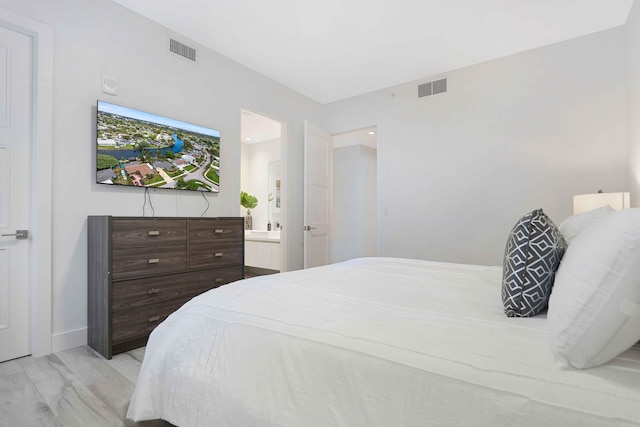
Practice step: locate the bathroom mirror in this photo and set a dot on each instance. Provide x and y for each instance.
(275, 185)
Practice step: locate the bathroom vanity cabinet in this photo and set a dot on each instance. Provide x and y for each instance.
(262, 250)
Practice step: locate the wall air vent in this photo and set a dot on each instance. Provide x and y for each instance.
(425, 89)
(432, 88)
(182, 50)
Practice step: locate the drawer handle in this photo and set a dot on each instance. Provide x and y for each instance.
(218, 280)
(154, 233)
(154, 319)
(218, 231)
(219, 254)
(153, 291)
(154, 260)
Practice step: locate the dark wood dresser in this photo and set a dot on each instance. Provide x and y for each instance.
(143, 269)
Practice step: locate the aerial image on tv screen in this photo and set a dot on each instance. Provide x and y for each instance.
(141, 149)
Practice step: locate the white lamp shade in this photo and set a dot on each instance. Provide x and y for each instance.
(588, 202)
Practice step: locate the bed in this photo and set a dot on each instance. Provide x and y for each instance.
(371, 342)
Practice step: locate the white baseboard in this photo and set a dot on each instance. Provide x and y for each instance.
(66, 340)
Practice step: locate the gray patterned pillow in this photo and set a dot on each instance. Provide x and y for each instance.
(532, 256)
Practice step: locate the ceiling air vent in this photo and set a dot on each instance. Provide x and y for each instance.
(431, 88)
(182, 50)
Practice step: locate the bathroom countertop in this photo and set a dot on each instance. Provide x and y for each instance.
(262, 236)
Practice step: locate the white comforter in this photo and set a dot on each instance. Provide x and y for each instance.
(370, 342)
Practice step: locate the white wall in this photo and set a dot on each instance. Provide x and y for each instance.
(354, 230)
(633, 87)
(256, 181)
(96, 38)
(457, 170)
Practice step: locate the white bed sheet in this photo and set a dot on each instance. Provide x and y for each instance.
(371, 342)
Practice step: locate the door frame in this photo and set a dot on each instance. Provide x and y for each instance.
(40, 285)
(284, 262)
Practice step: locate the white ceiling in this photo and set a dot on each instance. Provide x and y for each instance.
(256, 128)
(335, 49)
(366, 137)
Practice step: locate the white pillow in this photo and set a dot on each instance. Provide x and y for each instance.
(594, 312)
(573, 225)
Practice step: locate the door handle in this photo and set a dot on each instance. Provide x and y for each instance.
(19, 234)
(308, 227)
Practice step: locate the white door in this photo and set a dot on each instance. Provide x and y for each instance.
(15, 174)
(318, 180)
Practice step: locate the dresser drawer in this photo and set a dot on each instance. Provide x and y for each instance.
(219, 231)
(218, 255)
(135, 233)
(136, 262)
(137, 322)
(138, 293)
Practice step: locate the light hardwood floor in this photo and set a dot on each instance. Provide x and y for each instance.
(71, 388)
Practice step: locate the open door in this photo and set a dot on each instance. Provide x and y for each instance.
(318, 180)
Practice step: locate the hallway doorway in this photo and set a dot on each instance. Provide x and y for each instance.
(355, 191)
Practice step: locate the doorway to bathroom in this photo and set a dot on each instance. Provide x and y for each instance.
(262, 178)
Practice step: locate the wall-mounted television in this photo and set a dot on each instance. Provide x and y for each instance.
(140, 149)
